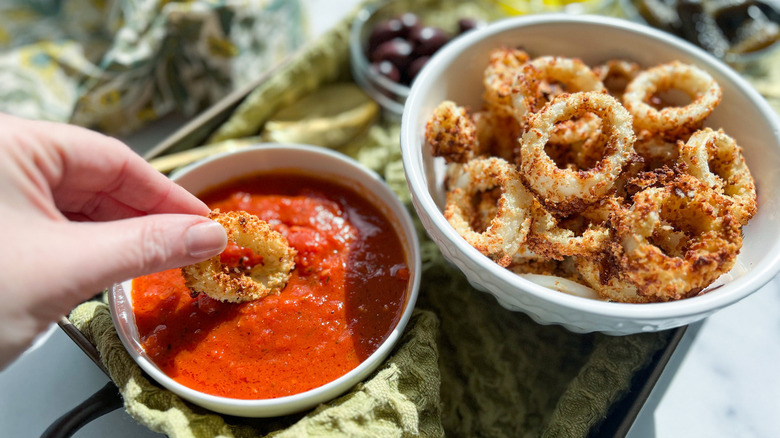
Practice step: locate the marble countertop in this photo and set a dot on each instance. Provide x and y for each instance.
(726, 383)
(720, 382)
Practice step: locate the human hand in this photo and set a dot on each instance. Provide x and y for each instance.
(81, 211)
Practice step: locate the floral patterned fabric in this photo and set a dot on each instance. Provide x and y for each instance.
(113, 65)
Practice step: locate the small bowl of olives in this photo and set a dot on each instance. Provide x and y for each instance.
(391, 42)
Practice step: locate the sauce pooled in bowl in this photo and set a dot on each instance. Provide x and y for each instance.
(344, 297)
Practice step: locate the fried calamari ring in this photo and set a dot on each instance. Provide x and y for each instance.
(655, 150)
(509, 226)
(498, 135)
(601, 275)
(452, 133)
(561, 284)
(715, 159)
(584, 233)
(616, 74)
(499, 79)
(577, 132)
(236, 285)
(676, 240)
(556, 185)
(577, 144)
(533, 264)
(633, 182)
(548, 76)
(704, 91)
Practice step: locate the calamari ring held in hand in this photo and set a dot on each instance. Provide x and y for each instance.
(509, 226)
(224, 283)
(715, 159)
(704, 91)
(677, 239)
(558, 185)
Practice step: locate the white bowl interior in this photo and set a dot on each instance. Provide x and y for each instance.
(455, 73)
(299, 158)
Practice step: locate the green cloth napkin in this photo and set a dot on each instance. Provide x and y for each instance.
(465, 366)
(400, 399)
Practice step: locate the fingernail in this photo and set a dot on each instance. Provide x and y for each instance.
(205, 239)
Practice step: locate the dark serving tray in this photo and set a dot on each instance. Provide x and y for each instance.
(646, 387)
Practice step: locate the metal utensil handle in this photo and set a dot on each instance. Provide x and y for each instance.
(100, 403)
(79, 339)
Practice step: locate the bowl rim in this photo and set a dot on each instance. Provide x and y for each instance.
(404, 226)
(760, 275)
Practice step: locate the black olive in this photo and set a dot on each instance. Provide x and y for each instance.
(770, 9)
(428, 40)
(385, 31)
(397, 51)
(414, 68)
(734, 20)
(386, 69)
(410, 22)
(467, 24)
(399, 47)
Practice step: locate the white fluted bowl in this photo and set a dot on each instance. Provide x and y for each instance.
(455, 73)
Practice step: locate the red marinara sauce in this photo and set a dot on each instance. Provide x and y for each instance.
(344, 297)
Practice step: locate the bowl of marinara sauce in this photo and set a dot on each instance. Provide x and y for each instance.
(348, 299)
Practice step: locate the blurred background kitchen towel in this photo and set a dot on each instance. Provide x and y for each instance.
(115, 65)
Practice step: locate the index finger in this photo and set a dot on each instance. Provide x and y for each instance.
(100, 178)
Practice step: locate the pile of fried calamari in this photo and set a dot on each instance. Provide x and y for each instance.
(602, 175)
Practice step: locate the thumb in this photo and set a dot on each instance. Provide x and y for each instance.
(120, 250)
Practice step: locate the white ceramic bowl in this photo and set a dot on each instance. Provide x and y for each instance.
(455, 74)
(318, 162)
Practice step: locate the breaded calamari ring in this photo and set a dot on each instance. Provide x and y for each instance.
(600, 273)
(577, 131)
(562, 186)
(549, 238)
(499, 77)
(655, 150)
(703, 89)
(237, 285)
(451, 133)
(616, 74)
(715, 159)
(509, 226)
(533, 87)
(677, 239)
(498, 135)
